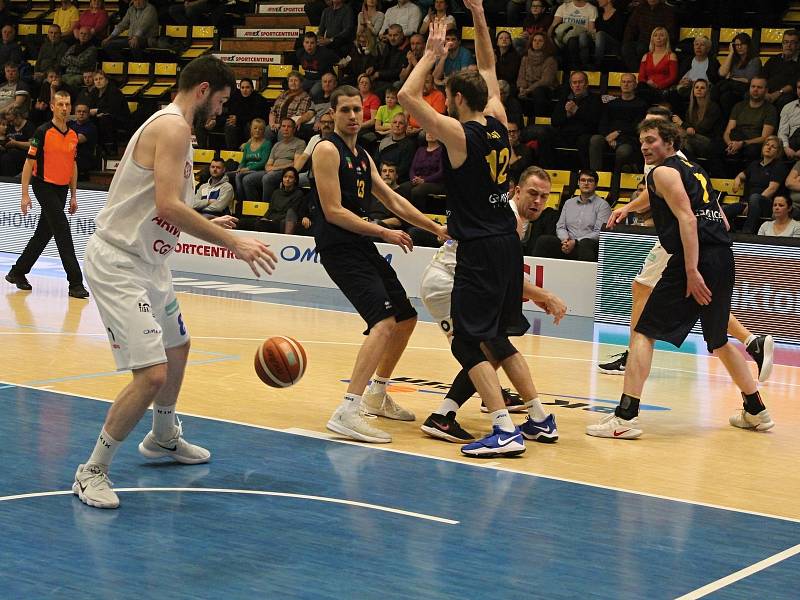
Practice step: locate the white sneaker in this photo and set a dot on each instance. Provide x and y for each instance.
(353, 424)
(382, 405)
(93, 487)
(176, 448)
(744, 420)
(612, 426)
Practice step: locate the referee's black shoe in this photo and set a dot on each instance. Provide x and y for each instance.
(19, 280)
(445, 427)
(78, 291)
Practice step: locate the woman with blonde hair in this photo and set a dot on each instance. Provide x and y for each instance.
(255, 153)
(658, 69)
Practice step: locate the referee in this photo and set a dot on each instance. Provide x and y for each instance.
(51, 162)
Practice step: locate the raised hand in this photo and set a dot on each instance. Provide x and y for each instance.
(473, 5)
(436, 44)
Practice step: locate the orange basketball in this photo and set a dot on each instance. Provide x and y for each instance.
(280, 361)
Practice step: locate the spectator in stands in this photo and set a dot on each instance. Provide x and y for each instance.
(638, 31)
(793, 185)
(521, 156)
(426, 174)
(19, 140)
(110, 111)
(457, 58)
(337, 26)
(416, 46)
(433, 97)
(10, 50)
(658, 69)
(617, 130)
(698, 66)
(255, 153)
(282, 155)
(80, 58)
(736, 71)
(86, 86)
(242, 108)
(751, 122)
(610, 29)
(95, 18)
(53, 83)
(86, 157)
(315, 61)
(313, 10)
(14, 92)
(322, 101)
(391, 61)
(438, 12)
(50, 52)
(574, 121)
(66, 15)
(141, 23)
(281, 216)
(538, 20)
(214, 198)
(510, 102)
(789, 127)
(406, 14)
(387, 112)
(362, 55)
(6, 16)
(506, 59)
(782, 224)
(370, 19)
(199, 12)
(293, 103)
(370, 103)
(302, 163)
(537, 79)
(515, 10)
(578, 229)
(783, 70)
(573, 28)
(763, 179)
(398, 147)
(702, 124)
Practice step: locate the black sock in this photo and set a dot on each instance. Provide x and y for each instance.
(628, 407)
(753, 403)
(462, 388)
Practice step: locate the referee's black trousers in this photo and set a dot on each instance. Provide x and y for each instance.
(52, 223)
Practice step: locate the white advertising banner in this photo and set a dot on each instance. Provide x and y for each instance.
(249, 59)
(271, 34)
(280, 9)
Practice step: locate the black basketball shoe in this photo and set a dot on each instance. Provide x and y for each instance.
(615, 366)
(514, 403)
(445, 427)
(761, 349)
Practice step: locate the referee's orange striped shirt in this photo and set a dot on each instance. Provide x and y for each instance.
(54, 153)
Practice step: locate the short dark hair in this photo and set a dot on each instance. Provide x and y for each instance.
(61, 94)
(472, 86)
(589, 173)
(248, 80)
(388, 163)
(343, 91)
(667, 131)
(786, 197)
(217, 160)
(206, 69)
(659, 111)
(291, 120)
(291, 170)
(391, 90)
(310, 35)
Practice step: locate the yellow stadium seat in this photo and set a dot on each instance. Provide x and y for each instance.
(27, 29)
(726, 34)
(203, 156)
(202, 32)
(604, 180)
(629, 181)
(542, 121)
(177, 31)
(254, 209)
(132, 106)
(468, 34)
(138, 68)
(725, 186)
(561, 178)
(553, 201)
(113, 68)
(313, 28)
(231, 155)
(687, 33)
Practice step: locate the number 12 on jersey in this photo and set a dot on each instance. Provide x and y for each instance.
(500, 176)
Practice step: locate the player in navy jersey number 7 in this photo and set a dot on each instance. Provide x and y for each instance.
(487, 286)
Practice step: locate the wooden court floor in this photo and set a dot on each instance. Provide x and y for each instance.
(688, 452)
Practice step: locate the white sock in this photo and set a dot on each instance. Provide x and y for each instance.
(104, 450)
(501, 419)
(351, 402)
(536, 410)
(378, 385)
(163, 422)
(447, 406)
(750, 339)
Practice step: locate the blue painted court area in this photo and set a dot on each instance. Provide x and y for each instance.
(282, 515)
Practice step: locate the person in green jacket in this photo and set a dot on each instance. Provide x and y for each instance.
(256, 152)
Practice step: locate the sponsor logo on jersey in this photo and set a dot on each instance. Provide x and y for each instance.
(187, 170)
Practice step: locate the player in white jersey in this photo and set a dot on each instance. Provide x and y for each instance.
(759, 347)
(149, 204)
(436, 287)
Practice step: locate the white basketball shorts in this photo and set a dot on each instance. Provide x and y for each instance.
(653, 266)
(137, 304)
(435, 289)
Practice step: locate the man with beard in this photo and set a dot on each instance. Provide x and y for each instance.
(148, 206)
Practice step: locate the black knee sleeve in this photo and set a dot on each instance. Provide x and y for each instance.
(467, 352)
(501, 348)
(462, 388)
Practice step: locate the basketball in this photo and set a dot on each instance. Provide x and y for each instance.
(280, 361)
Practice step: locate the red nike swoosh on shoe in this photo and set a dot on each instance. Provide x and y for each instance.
(619, 433)
(444, 427)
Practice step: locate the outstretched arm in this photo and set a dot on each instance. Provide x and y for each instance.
(484, 53)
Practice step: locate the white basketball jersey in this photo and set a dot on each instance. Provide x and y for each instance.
(129, 220)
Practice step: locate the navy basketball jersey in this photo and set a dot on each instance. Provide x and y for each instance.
(703, 199)
(355, 181)
(477, 191)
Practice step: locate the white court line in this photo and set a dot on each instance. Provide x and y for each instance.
(388, 509)
(383, 448)
(739, 575)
